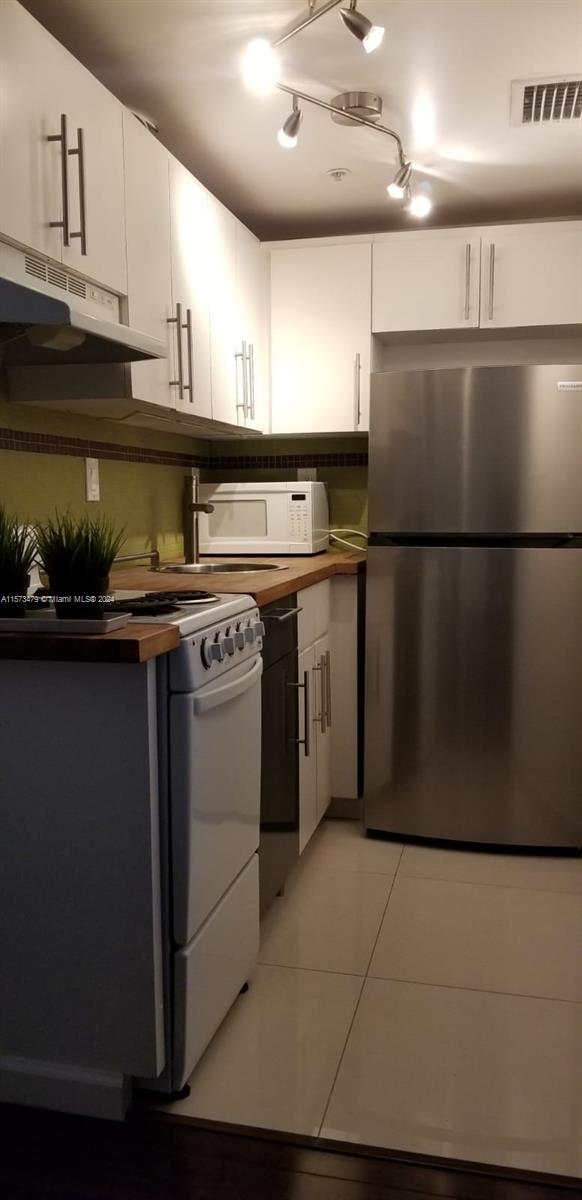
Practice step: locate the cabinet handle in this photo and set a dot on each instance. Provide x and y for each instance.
(79, 150)
(357, 370)
(62, 138)
(328, 685)
(491, 278)
(467, 279)
(305, 741)
(242, 354)
(190, 354)
(252, 380)
(321, 718)
(177, 321)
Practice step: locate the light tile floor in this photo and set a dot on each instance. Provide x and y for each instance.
(413, 998)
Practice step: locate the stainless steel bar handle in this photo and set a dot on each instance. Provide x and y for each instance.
(242, 354)
(177, 321)
(252, 381)
(357, 373)
(467, 280)
(491, 278)
(62, 138)
(79, 150)
(321, 718)
(285, 616)
(305, 741)
(328, 685)
(190, 355)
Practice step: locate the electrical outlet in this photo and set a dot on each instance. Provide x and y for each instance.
(307, 473)
(92, 491)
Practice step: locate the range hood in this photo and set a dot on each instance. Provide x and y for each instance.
(38, 329)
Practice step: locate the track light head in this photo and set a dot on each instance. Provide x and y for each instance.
(289, 131)
(398, 188)
(361, 28)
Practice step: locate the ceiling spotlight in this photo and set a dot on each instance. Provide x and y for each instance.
(369, 35)
(420, 205)
(260, 67)
(289, 131)
(399, 186)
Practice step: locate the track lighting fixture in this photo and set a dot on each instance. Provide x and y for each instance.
(289, 131)
(369, 35)
(398, 188)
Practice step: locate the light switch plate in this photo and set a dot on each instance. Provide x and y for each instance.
(307, 473)
(92, 491)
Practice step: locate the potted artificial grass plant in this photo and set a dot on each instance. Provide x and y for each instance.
(17, 555)
(77, 553)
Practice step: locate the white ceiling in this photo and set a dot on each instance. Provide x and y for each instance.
(445, 64)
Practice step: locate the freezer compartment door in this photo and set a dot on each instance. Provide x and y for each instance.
(474, 695)
(480, 449)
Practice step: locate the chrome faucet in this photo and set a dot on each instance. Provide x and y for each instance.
(191, 506)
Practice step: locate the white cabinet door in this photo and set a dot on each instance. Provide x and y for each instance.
(323, 716)
(344, 657)
(426, 280)
(320, 338)
(46, 93)
(149, 275)
(225, 343)
(531, 275)
(307, 748)
(191, 266)
(252, 281)
(31, 103)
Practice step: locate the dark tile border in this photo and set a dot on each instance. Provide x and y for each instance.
(53, 443)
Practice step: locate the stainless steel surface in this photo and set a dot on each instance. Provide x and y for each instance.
(241, 355)
(305, 741)
(363, 104)
(177, 321)
(491, 278)
(252, 380)
(215, 568)
(285, 614)
(191, 506)
(482, 450)
(62, 138)
(153, 555)
(328, 686)
(308, 99)
(79, 151)
(474, 695)
(467, 279)
(313, 15)
(357, 392)
(190, 354)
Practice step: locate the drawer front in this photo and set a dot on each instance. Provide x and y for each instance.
(211, 970)
(314, 619)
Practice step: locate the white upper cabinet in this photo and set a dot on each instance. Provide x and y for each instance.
(149, 278)
(227, 367)
(252, 295)
(191, 273)
(531, 275)
(320, 338)
(63, 196)
(426, 280)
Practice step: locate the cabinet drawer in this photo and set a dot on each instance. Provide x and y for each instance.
(313, 620)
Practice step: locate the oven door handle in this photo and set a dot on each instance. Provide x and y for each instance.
(228, 691)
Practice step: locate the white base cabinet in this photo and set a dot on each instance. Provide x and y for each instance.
(346, 653)
(315, 673)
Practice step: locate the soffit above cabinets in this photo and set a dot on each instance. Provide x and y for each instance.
(445, 72)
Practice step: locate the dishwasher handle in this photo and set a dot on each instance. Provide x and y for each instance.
(228, 691)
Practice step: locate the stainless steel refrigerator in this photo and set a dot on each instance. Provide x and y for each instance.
(474, 607)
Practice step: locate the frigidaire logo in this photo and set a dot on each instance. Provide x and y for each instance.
(568, 385)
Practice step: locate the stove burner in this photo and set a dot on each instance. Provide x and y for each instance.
(183, 599)
(144, 606)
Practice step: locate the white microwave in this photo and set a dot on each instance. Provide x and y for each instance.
(264, 518)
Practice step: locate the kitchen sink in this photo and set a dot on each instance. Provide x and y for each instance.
(215, 568)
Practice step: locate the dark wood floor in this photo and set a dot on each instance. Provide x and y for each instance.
(47, 1156)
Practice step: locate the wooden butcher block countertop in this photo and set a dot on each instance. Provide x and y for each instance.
(137, 643)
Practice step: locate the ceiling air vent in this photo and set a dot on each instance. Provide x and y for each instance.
(545, 101)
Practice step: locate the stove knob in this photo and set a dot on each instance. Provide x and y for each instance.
(249, 634)
(259, 629)
(239, 637)
(211, 652)
(228, 642)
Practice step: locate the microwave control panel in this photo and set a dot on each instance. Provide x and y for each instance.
(298, 517)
